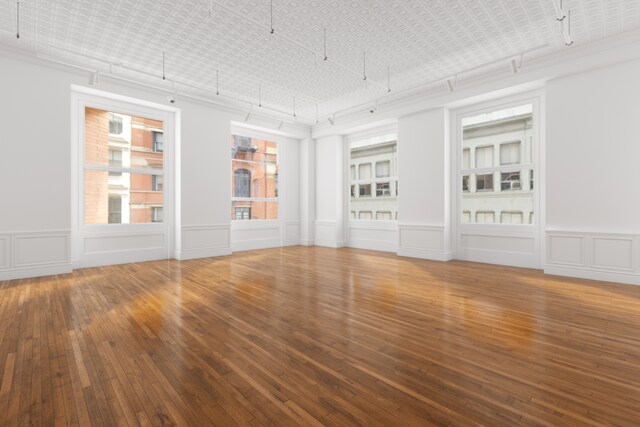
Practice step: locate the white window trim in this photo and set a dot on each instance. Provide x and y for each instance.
(238, 128)
(386, 135)
(537, 231)
(459, 172)
(82, 97)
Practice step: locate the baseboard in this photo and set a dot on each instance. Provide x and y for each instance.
(202, 253)
(35, 272)
(307, 242)
(425, 254)
(604, 276)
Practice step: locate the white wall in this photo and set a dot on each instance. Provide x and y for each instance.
(35, 168)
(593, 153)
(331, 192)
(307, 170)
(423, 175)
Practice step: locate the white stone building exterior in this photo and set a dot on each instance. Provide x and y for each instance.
(373, 173)
(498, 168)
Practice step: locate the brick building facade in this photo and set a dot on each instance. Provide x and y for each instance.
(123, 142)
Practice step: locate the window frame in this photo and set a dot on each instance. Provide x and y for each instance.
(497, 169)
(243, 134)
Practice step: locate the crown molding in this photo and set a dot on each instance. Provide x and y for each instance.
(533, 75)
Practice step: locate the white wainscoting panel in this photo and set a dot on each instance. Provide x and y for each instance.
(251, 235)
(114, 242)
(292, 233)
(38, 249)
(373, 235)
(422, 241)
(598, 256)
(204, 241)
(35, 253)
(516, 246)
(122, 247)
(327, 234)
(565, 249)
(5, 251)
(613, 253)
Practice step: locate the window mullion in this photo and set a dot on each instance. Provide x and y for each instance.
(124, 170)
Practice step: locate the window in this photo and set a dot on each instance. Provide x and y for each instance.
(243, 213)
(365, 190)
(157, 183)
(241, 180)
(385, 216)
(158, 142)
(511, 218)
(382, 189)
(156, 214)
(373, 186)
(115, 124)
(254, 192)
(484, 182)
(485, 217)
(353, 214)
(510, 181)
(510, 153)
(115, 158)
(365, 171)
(365, 215)
(115, 210)
(484, 157)
(383, 169)
(122, 178)
(497, 167)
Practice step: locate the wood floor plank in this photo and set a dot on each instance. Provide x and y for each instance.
(318, 336)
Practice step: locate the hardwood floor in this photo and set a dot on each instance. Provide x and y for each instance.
(318, 336)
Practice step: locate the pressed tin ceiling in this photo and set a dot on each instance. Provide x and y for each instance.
(420, 40)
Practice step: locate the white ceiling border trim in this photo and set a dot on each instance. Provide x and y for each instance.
(533, 75)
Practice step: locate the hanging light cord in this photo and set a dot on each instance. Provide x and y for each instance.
(18, 20)
(272, 30)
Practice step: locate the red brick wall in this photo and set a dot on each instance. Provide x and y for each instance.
(96, 148)
(263, 183)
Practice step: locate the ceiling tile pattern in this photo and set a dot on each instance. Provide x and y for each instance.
(420, 41)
